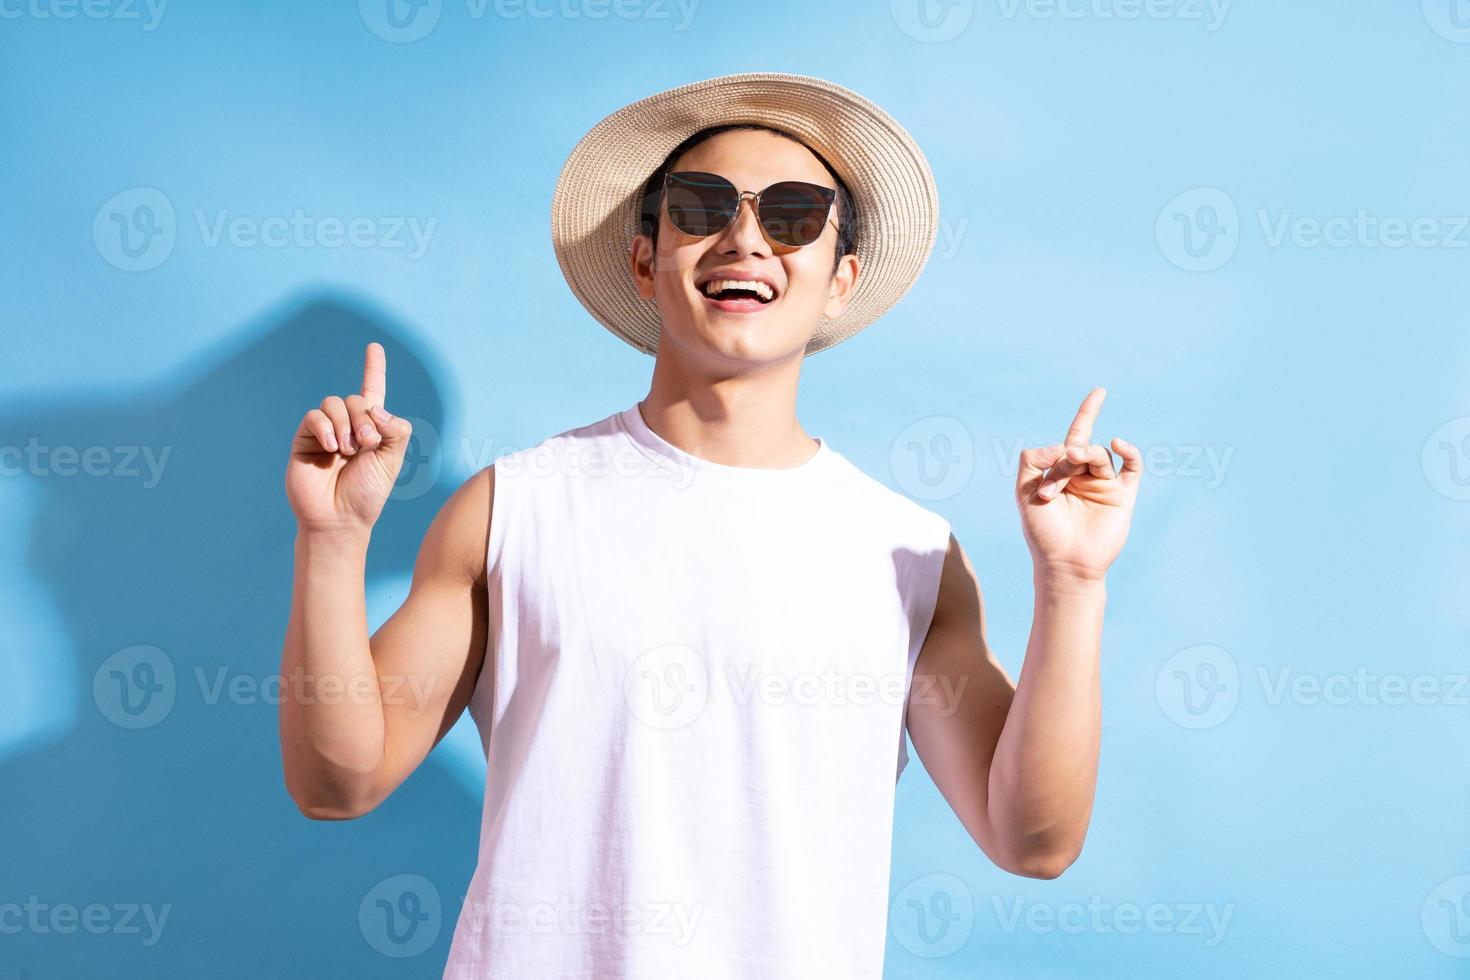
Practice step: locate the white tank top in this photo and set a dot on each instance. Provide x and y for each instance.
(692, 708)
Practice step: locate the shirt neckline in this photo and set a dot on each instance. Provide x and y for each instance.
(659, 449)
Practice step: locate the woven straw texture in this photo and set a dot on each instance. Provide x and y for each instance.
(594, 212)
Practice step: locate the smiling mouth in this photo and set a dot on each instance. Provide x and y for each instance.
(737, 297)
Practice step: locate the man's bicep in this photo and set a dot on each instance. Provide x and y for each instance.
(960, 696)
(429, 653)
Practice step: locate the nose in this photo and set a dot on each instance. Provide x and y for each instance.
(744, 234)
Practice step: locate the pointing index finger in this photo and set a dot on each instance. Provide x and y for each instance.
(1080, 434)
(375, 375)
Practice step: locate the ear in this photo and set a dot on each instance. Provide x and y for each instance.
(641, 258)
(839, 292)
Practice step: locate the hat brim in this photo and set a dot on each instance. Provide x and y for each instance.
(595, 210)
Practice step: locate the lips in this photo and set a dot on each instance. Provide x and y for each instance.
(740, 305)
(737, 290)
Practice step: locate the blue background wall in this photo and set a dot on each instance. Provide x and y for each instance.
(1129, 198)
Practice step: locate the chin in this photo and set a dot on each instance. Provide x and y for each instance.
(752, 339)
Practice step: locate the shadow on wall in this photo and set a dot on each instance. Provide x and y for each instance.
(155, 837)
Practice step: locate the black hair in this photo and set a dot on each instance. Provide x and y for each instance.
(649, 210)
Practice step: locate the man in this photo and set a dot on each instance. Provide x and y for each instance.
(691, 634)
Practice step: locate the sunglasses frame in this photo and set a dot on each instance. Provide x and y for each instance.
(829, 193)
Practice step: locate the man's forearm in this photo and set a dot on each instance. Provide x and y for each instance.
(1044, 774)
(332, 727)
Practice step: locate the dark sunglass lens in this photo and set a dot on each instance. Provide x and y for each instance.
(794, 212)
(700, 204)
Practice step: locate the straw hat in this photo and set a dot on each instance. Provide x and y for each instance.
(595, 211)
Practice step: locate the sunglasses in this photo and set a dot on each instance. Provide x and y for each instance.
(791, 212)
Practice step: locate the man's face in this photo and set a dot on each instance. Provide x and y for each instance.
(805, 287)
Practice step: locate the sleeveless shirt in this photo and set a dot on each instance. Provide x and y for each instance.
(692, 708)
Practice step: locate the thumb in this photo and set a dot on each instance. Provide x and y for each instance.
(1033, 464)
(394, 430)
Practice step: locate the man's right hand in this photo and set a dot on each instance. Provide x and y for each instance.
(346, 455)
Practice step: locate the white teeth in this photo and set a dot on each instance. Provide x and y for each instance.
(715, 285)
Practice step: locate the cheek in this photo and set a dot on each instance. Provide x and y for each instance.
(807, 279)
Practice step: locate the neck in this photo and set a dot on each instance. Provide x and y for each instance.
(747, 419)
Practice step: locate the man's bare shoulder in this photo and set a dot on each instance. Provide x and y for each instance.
(458, 538)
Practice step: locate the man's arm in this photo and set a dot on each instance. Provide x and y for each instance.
(1016, 762)
(396, 693)
(359, 713)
